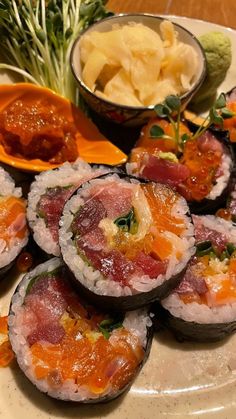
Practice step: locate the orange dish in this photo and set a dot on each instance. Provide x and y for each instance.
(68, 132)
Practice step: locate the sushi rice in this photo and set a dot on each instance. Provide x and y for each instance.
(92, 278)
(205, 313)
(9, 251)
(136, 322)
(69, 174)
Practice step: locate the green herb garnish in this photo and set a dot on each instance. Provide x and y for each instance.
(37, 37)
(230, 248)
(128, 223)
(204, 248)
(108, 325)
(171, 110)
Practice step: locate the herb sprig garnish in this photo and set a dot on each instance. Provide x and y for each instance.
(206, 248)
(37, 37)
(171, 110)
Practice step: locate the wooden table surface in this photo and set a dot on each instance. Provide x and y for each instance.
(217, 11)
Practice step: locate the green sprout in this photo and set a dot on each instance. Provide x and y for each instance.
(37, 38)
(171, 110)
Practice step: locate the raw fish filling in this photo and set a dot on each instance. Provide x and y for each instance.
(192, 171)
(50, 207)
(70, 340)
(12, 221)
(129, 230)
(211, 276)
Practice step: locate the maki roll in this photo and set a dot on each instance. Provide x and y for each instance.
(126, 242)
(199, 168)
(67, 348)
(230, 123)
(229, 212)
(203, 306)
(48, 195)
(13, 226)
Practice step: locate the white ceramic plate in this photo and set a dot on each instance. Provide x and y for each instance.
(179, 381)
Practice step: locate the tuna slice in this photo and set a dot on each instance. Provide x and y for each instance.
(150, 266)
(208, 142)
(164, 171)
(88, 217)
(203, 233)
(192, 283)
(51, 205)
(117, 201)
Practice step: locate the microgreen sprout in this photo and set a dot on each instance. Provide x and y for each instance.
(37, 37)
(170, 109)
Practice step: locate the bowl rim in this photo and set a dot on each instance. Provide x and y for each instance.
(190, 92)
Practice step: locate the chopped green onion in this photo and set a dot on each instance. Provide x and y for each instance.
(108, 325)
(230, 248)
(204, 248)
(128, 223)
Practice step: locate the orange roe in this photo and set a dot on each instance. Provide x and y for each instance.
(153, 144)
(12, 214)
(95, 363)
(6, 353)
(203, 167)
(3, 325)
(24, 262)
(224, 213)
(230, 123)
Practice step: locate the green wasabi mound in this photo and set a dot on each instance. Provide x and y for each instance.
(218, 51)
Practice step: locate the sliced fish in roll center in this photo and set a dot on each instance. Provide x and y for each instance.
(48, 195)
(13, 225)
(203, 306)
(66, 347)
(126, 242)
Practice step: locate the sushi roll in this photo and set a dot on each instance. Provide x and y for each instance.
(13, 225)
(47, 197)
(66, 347)
(203, 307)
(126, 242)
(199, 167)
(229, 212)
(230, 123)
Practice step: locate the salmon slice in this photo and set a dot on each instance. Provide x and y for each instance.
(12, 218)
(161, 200)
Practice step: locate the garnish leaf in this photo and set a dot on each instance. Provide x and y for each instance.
(215, 117)
(162, 110)
(173, 102)
(185, 137)
(156, 132)
(220, 102)
(227, 113)
(230, 248)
